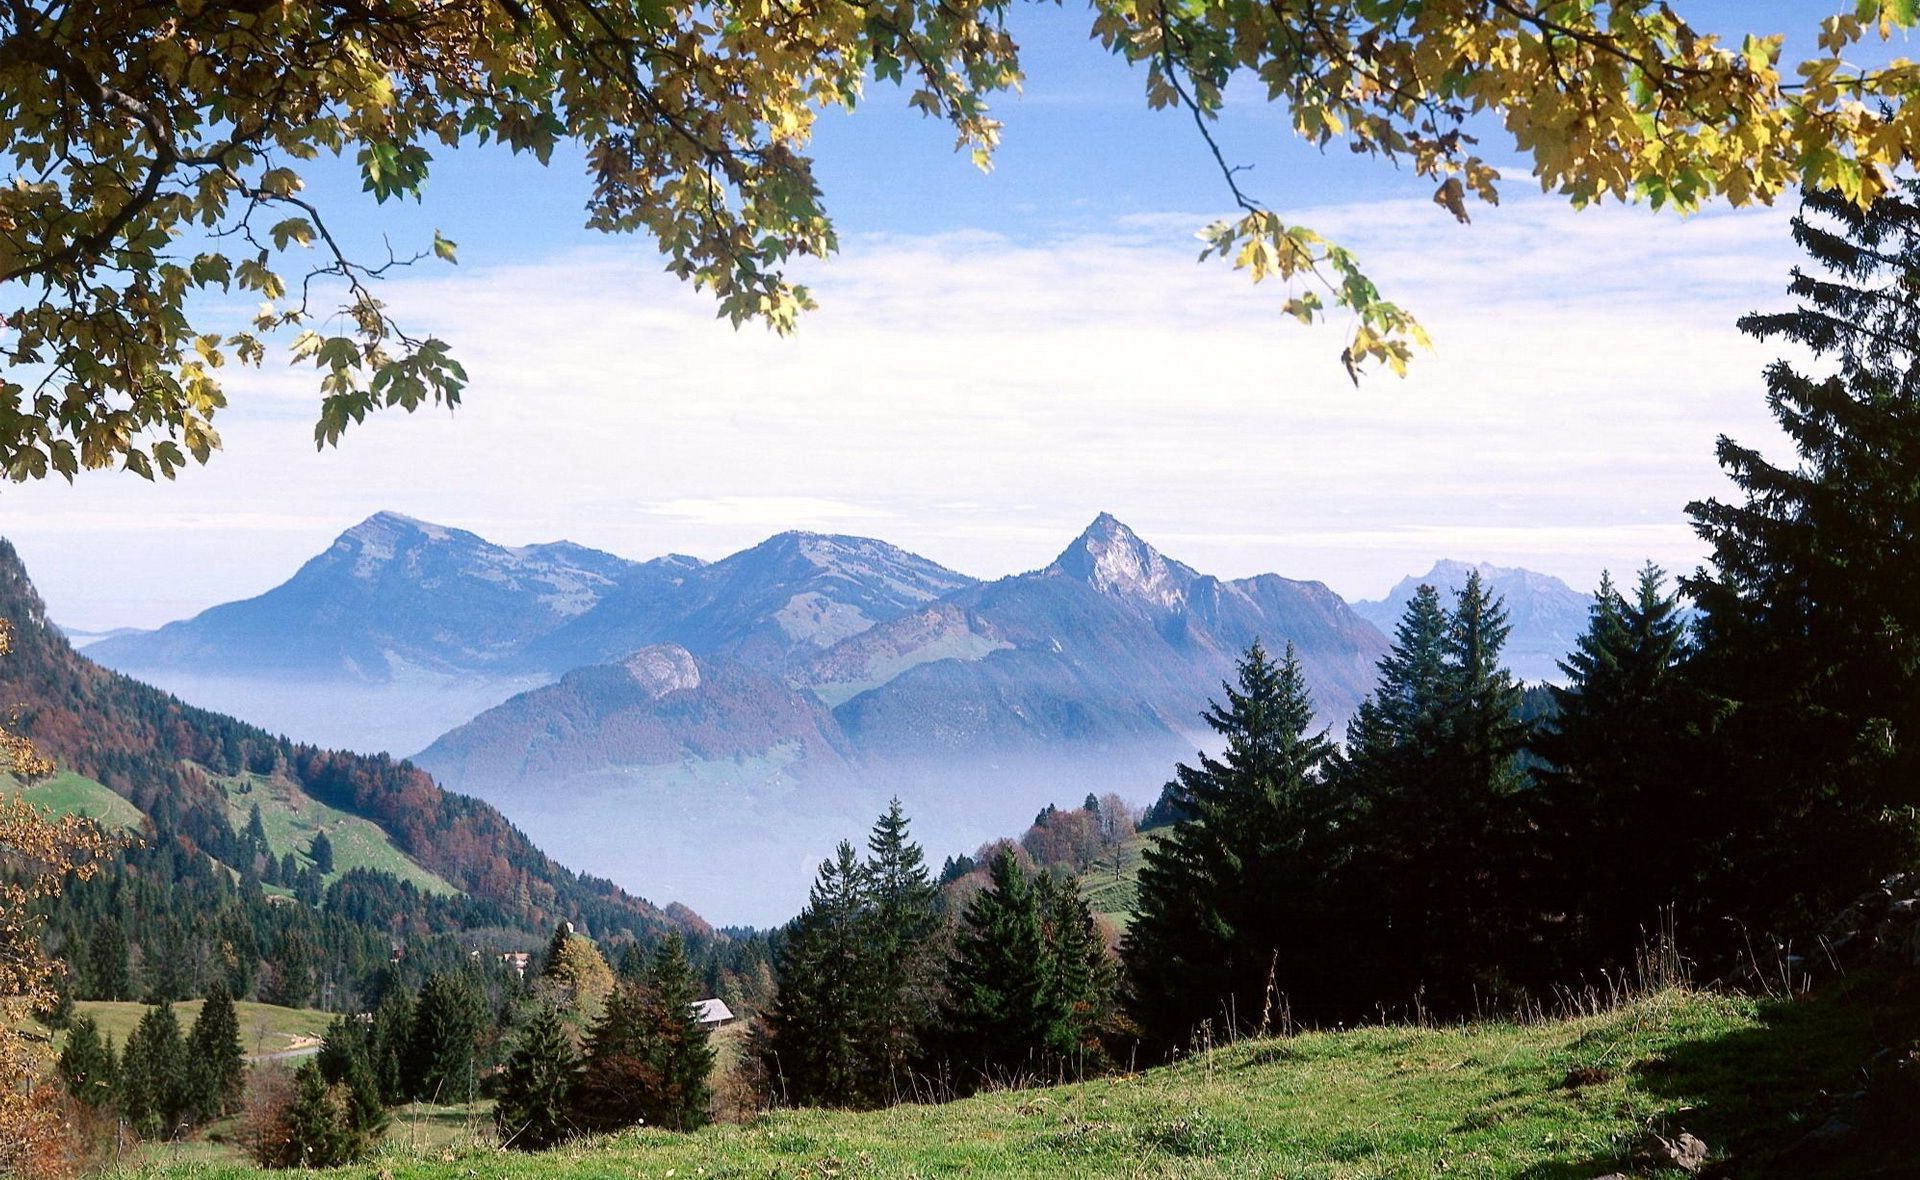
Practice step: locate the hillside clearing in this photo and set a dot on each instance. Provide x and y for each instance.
(1546, 1100)
(264, 1028)
(291, 818)
(67, 793)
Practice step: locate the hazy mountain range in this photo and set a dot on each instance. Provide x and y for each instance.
(705, 731)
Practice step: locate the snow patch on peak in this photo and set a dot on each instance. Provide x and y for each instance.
(1113, 559)
(662, 668)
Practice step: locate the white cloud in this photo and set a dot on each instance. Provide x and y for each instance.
(978, 399)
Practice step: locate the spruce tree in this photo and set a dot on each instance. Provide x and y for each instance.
(346, 1060)
(87, 1064)
(536, 1086)
(218, 1061)
(110, 976)
(320, 1130)
(387, 1045)
(1004, 1008)
(1810, 607)
(678, 1046)
(1228, 901)
(816, 1048)
(617, 1078)
(905, 914)
(1084, 977)
(442, 1055)
(320, 852)
(1618, 804)
(155, 1087)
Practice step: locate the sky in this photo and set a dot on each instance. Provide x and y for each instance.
(996, 359)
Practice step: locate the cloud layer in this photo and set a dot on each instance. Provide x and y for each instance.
(977, 397)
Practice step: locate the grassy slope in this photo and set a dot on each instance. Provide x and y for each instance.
(1487, 1100)
(291, 817)
(67, 793)
(1111, 893)
(264, 1028)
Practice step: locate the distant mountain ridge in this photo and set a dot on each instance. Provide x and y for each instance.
(755, 709)
(1547, 615)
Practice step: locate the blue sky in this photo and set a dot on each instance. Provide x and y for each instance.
(997, 358)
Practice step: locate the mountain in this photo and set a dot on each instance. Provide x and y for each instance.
(1547, 615)
(398, 630)
(187, 770)
(799, 684)
(785, 598)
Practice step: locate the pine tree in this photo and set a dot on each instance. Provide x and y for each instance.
(1004, 1008)
(618, 1078)
(536, 1087)
(218, 1061)
(816, 1046)
(320, 1131)
(1618, 804)
(87, 1064)
(1810, 610)
(1228, 899)
(346, 1061)
(442, 1055)
(256, 835)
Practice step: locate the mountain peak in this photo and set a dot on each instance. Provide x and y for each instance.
(1113, 559)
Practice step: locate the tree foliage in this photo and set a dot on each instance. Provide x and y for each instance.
(536, 1087)
(159, 156)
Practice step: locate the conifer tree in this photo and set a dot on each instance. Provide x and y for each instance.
(346, 1061)
(442, 1055)
(1004, 1007)
(218, 1060)
(320, 1130)
(1084, 975)
(1228, 900)
(1810, 608)
(387, 1045)
(905, 914)
(320, 852)
(1617, 804)
(110, 976)
(678, 1046)
(816, 1047)
(536, 1087)
(617, 1077)
(87, 1064)
(155, 1090)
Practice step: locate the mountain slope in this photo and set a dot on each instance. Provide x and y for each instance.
(172, 761)
(1546, 614)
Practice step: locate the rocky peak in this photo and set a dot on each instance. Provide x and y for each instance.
(1113, 559)
(662, 668)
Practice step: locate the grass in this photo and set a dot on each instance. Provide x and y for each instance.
(264, 1028)
(1537, 1101)
(67, 793)
(1113, 889)
(291, 818)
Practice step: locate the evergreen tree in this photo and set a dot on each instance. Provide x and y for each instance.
(536, 1087)
(1618, 804)
(1810, 610)
(320, 1130)
(87, 1064)
(1004, 1008)
(290, 977)
(218, 1061)
(255, 838)
(618, 1076)
(155, 1088)
(387, 1040)
(905, 905)
(320, 852)
(346, 1060)
(441, 1063)
(677, 1044)
(1229, 899)
(1083, 973)
(816, 1046)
